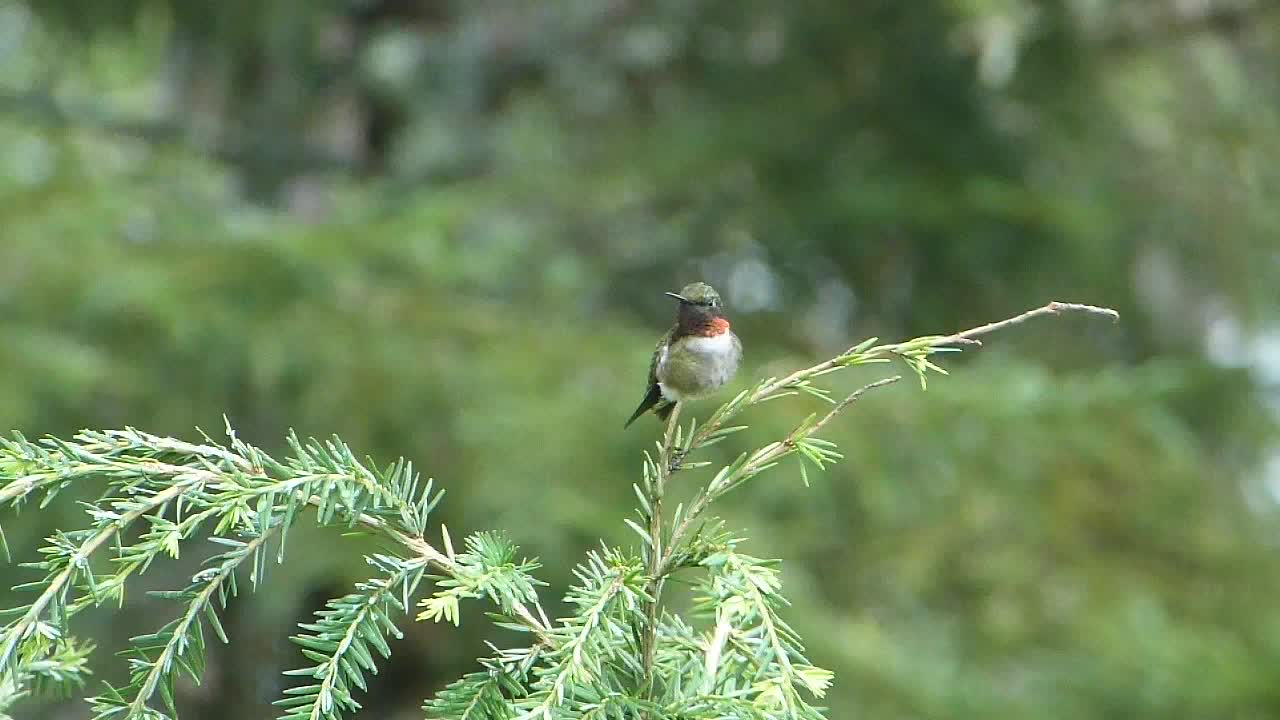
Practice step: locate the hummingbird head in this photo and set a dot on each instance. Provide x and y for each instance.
(698, 294)
(701, 312)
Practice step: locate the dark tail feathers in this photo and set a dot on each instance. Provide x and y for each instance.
(653, 399)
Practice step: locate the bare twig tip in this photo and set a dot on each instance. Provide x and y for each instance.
(1058, 307)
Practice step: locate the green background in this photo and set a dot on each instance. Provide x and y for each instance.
(442, 230)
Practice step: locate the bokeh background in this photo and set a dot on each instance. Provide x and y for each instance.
(442, 229)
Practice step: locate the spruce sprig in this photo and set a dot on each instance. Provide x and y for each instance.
(594, 657)
(180, 645)
(51, 669)
(488, 568)
(342, 637)
(744, 596)
(475, 696)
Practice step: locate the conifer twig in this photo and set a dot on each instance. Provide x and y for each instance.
(965, 337)
(442, 562)
(1053, 308)
(657, 549)
(14, 635)
(840, 406)
(760, 460)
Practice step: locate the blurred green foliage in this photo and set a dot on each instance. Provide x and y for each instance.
(442, 230)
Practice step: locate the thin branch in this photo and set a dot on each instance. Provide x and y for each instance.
(1054, 308)
(657, 551)
(851, 399)
(967, 337)
(769, 454)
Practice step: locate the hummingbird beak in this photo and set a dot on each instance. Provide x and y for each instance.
(678, 296)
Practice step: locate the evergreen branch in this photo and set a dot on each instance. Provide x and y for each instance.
(656, 489)
(609, 599)
(476, 696)
(60, 666)
(242, 480)
(573, 667)
(485, 695)
(340, 639)
(748, 465)
(486, 569)
(840, 407)
(922, 346)
(721, 707)
(50, 464)
(1052, 308)
(715, 648)
(57, 584)
(183, 639)
(618, 705)
(27, 467)
(127, 456)
(744, 594)
(537, 624)
(251, 493)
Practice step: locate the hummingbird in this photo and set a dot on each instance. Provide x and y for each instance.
(696, 356)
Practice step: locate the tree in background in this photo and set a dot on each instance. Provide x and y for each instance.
(442, 230)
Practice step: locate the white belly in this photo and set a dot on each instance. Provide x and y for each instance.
(707, 363)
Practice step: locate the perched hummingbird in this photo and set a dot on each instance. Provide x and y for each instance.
(697, 355)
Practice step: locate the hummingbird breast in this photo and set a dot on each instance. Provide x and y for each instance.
(695, 365)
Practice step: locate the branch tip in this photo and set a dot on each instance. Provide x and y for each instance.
(1060, 307)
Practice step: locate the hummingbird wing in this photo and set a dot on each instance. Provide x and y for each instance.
(660, 355)
(653, 393)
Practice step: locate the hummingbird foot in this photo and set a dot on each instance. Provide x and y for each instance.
(676, 460)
